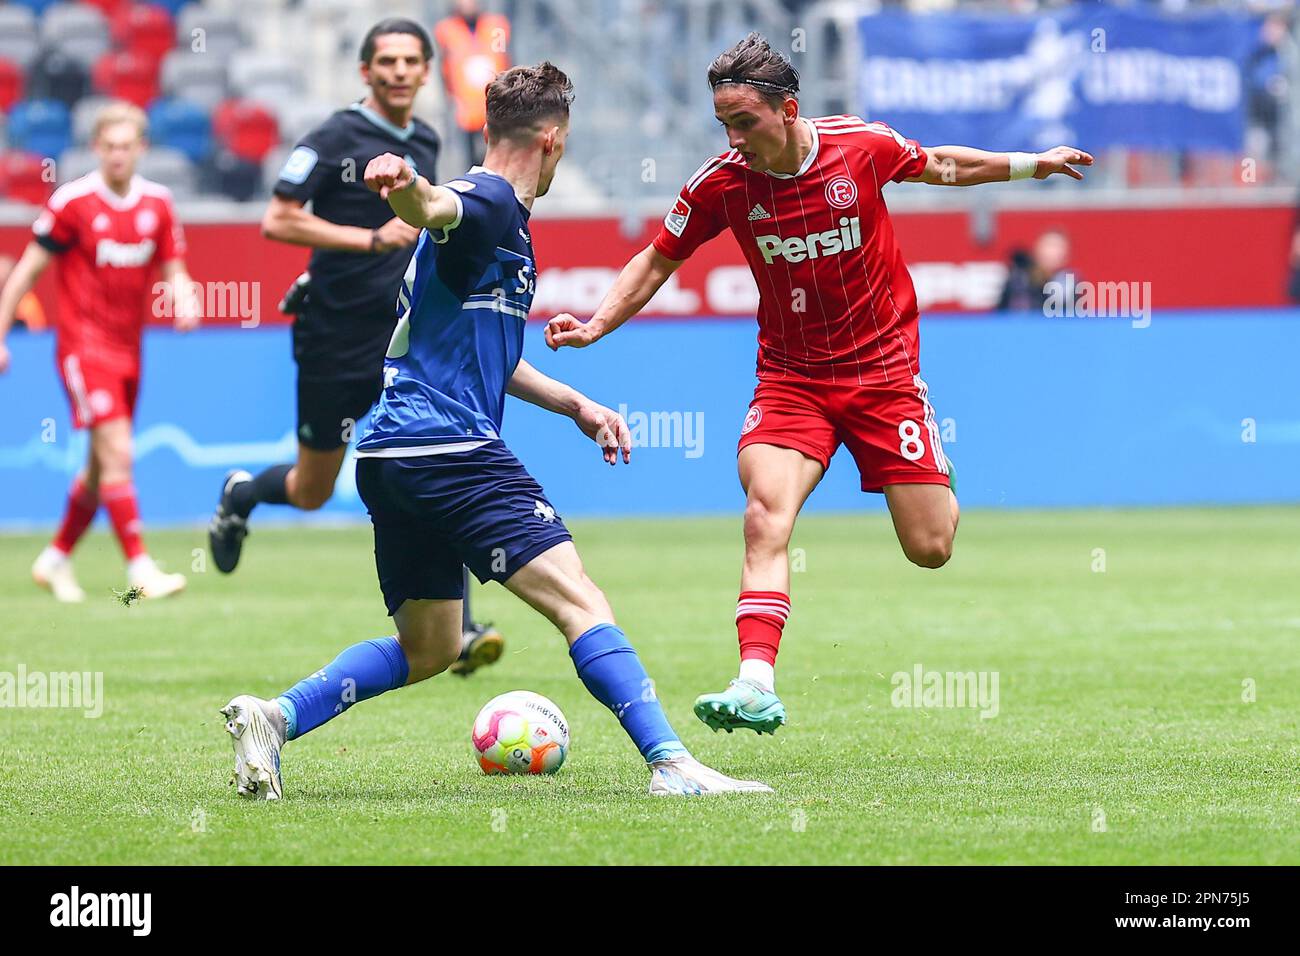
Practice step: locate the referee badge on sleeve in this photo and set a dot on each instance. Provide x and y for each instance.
(299, 165)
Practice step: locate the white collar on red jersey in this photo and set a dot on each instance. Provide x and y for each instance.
(133, 192)
(807, 160)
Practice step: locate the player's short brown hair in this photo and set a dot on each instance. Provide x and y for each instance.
(753, 62)
(120, 111)
(522, 99)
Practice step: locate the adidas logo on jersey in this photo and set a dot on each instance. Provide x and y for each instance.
(758, 212)
(798, 248)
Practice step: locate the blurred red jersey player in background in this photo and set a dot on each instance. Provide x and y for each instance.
(108, 229)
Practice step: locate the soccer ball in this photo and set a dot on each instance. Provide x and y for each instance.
(520, 732)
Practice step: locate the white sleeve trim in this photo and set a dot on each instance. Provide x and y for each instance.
(446, 230)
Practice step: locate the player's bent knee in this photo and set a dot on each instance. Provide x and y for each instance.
(765, 527)
(932, 551)
(308, 498)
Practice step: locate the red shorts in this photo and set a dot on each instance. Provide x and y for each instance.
(99, 390)
(890, 430)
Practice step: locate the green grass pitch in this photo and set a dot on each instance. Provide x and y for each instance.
(1146, 713)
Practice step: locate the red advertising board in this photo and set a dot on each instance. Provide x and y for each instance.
(1192, 257)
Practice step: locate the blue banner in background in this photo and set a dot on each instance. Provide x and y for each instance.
(1091, 76)
(1197, 407)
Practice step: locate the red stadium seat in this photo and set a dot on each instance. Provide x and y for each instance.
(11, 84)
(108, 7)
(247, 129)
(144, 29)
(22, 178)
(127, 76)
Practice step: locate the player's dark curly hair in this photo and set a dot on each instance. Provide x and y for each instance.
(395, 25)
(753, 62)
(522, 99)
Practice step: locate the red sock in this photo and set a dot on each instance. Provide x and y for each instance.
(119, 499)
(760, 617)
(80, 512)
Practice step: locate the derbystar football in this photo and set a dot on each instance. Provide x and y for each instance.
(520, 732)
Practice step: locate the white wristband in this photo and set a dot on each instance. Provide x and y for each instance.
(1023, 165)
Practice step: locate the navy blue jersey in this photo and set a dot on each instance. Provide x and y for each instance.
(460, 330)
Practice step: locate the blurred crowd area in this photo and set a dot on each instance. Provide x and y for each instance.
(230, 85)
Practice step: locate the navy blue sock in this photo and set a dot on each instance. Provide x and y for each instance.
(268, 485)
(612, 672)
(362, 671)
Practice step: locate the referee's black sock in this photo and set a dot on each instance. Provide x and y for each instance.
(267, 486)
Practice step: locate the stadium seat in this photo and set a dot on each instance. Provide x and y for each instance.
(258, 75)
(127, 76)
(19, 39)
(232, 177)
(11, 84)
(41, 127)
(195, 77)
(23, 178)
(83, 117)
(79, 30)
(298, 117)
(183, 126)
(172, 168)
(218, 33)
(37, 7)
(145, 29)
(108, 7)
(247, 129)
(75, 162)
(174, 7)
(272, 163)
(58, 76)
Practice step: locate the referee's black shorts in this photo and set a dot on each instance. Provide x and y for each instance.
(340, 361)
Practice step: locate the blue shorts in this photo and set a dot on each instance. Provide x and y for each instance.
(434, 513)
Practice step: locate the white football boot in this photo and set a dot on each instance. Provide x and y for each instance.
(52, 570)
(153, 582)
(257, 743)
(687, 777)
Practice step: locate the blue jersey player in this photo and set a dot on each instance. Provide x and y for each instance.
(442, 488)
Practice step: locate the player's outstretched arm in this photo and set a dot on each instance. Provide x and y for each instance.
(416, 201)
(967, 166)
(35, 259)
(636, 285)
(602, 425)
(286, 220)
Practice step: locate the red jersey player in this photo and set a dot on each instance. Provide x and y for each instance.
(838, 356)
(109, 230)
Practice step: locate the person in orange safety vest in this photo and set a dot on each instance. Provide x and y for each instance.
(473, 47)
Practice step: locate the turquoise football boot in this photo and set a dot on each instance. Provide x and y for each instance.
(742, 704)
